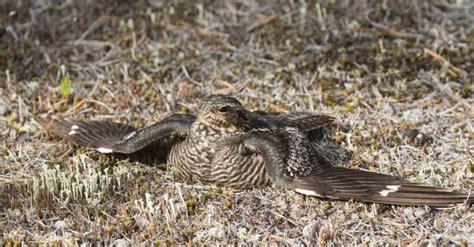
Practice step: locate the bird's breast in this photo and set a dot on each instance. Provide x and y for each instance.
(209, 161)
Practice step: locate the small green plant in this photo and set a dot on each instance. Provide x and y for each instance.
(65, 87)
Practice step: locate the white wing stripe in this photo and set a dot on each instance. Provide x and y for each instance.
(390, 189)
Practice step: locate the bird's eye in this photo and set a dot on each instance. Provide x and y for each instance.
(224, 109)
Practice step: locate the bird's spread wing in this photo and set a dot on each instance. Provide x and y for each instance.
(346, 184)
(302, 120)
(291, 162)
(310, 123)
(108, 137)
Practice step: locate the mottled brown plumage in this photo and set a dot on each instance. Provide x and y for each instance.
(227, 145)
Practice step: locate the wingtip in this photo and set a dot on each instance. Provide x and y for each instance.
(55, 125)
(344, 184)
(45, 121)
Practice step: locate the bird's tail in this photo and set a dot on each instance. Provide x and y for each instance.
(348, 184)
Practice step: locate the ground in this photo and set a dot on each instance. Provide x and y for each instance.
(397, 75)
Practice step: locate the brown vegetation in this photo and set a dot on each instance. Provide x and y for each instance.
(396, 74)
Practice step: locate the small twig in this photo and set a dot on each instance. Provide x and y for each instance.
(268, 61)
(263, 20)
(390, 32)
(294, 222)
(186, 74)
(441, 60)
(445, 89)
(96, 85)
(225, 84)
(277, 108)
(81, 103)
(10, 30)
(210, 33)
(94, 26)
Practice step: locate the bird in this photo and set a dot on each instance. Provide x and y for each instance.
(227, 145)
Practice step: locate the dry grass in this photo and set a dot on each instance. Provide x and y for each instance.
(396, 74)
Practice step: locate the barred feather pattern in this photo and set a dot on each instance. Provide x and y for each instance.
(202, 157)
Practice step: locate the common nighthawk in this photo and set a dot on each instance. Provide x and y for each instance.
(227, 145)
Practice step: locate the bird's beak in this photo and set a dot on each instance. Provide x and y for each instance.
(242, 117)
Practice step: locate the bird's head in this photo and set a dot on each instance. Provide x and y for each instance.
(222, 113)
